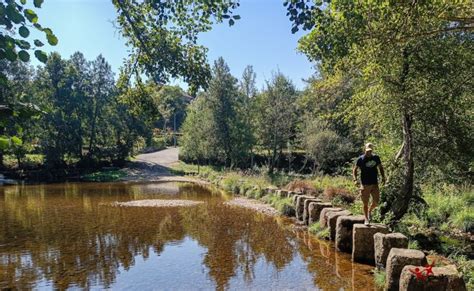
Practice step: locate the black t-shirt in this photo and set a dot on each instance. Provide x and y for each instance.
(368, 169)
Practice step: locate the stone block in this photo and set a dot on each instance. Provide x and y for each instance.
(443, 278)
(344, 226)
(270, 190)
(363, 242)
(332, 221)
(305, 217)
(383, 243)
(299, 205)
(323, 219)
(397, 259)
(314, 211)
(278, 193)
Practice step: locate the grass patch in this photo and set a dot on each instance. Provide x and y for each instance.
(449, 204)
(379, 278)
(104, 176)
(283, 205)
(319, 231)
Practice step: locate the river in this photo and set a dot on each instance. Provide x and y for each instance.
(69, 236)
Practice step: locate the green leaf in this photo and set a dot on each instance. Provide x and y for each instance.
(16, 140)
(38, 43)
(231, 22)
(24, 56)
(2, 54)
(14, 15)
(23, 2)
(10, 55)
(236, 17)
(41, 56)
(38, 3)
(3, 79)
(23, 44)
(24, 32)
(31, 15)
(4, 142)
(52, 39)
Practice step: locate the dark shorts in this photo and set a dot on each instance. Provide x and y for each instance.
(370, 190)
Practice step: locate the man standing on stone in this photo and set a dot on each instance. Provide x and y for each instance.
(368, 164)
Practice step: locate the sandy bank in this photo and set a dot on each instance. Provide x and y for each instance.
(253, 204)
(158, 203)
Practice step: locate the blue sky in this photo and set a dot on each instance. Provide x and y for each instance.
(261, 38)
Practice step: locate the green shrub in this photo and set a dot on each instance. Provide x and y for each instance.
(464, 219)
(104, 176)
(414, 245)
(158, 143)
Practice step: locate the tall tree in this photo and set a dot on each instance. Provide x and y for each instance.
(248, 82)
(103, 87)
(275, 118)
(227, 137)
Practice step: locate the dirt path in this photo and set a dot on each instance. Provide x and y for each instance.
(156, 167)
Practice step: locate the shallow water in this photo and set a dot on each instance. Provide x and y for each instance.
(68, 236)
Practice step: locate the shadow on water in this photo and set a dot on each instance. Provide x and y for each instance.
(67, 235)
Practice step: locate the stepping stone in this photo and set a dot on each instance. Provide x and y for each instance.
(443, 278)
(397, 259)
(314, 210)
(332, 221)
(306, 208)
(383, 243)
(299, 205)
(323, 219)
(344, 226)
(363, 242)
(270, 190)
(282, 193)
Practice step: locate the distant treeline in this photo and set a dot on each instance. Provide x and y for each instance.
(73, 112)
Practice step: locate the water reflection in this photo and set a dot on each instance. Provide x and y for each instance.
(66, 235)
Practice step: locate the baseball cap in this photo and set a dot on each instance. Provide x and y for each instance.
(369, 147)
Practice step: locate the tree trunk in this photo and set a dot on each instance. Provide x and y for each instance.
(400, 207)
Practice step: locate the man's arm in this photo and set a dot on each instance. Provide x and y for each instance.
(354, 173)
(382, 173)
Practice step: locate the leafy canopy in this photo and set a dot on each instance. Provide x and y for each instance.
(163, 36)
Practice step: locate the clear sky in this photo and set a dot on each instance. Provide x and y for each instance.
(261, 38)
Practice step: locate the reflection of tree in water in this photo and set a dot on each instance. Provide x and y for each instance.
(236, 238)
(332, 270)
(68, 246)
(64, 235)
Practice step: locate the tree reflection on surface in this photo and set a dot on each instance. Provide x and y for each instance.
(67, 235)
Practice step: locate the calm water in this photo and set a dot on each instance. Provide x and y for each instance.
(67, 236)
